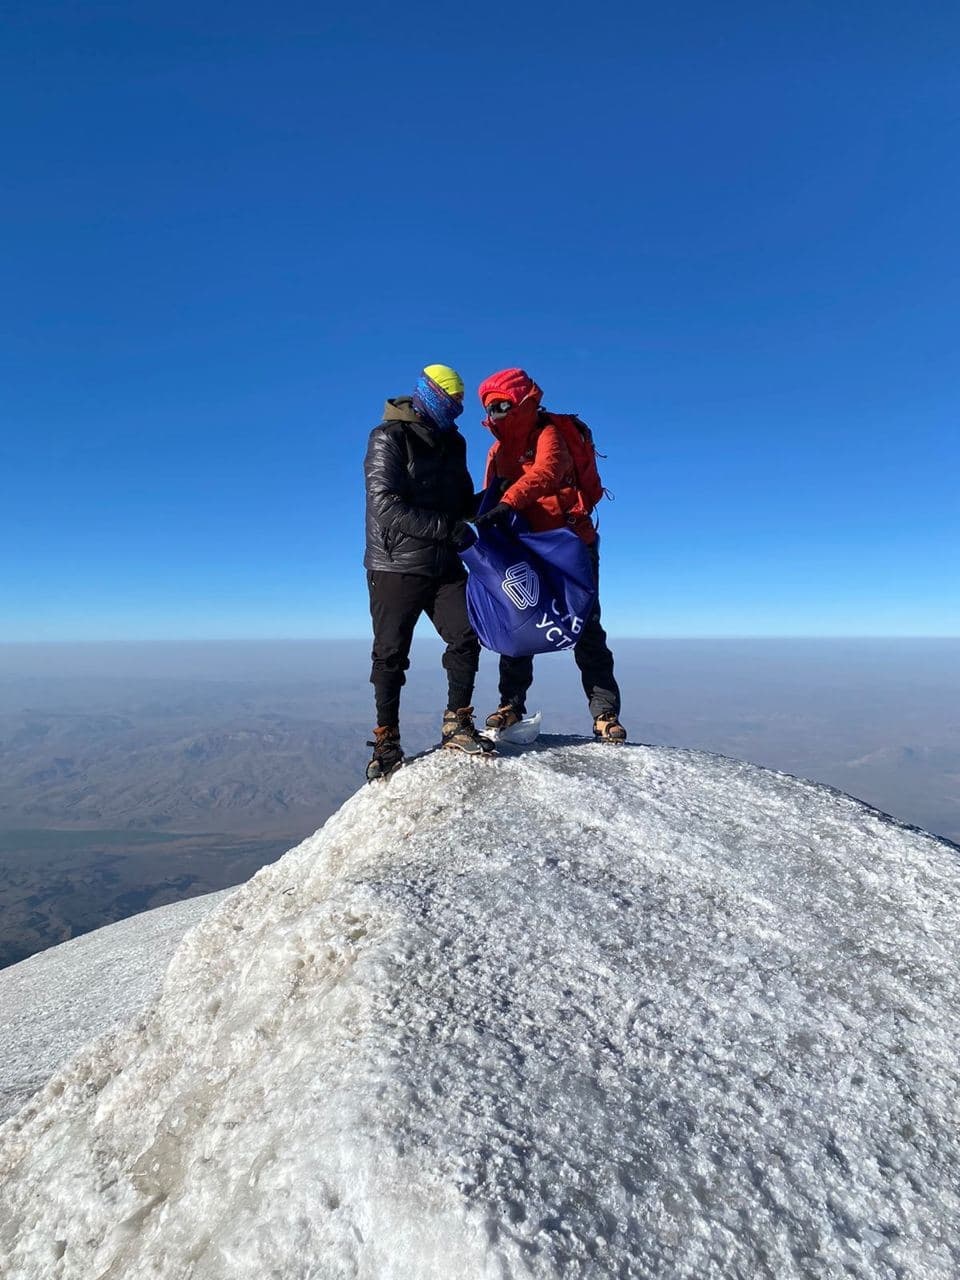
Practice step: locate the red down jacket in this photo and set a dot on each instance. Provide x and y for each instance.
(532, 456)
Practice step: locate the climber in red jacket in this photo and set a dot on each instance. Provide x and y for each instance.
(535, 468)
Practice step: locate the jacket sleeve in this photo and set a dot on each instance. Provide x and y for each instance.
(385, 473)
(468, 507)
(548, 474)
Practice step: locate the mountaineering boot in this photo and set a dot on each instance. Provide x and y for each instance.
(503, 717)
(607, 728)
(459, 733)
(387, 752)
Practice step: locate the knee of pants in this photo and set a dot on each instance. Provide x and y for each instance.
(390, 664)
(466, 647)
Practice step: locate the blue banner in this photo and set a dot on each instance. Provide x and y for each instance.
(528, 593)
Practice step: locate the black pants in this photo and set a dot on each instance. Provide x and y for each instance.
(591, 654)
(396, 602)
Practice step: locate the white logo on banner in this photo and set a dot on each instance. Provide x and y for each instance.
(522, 585)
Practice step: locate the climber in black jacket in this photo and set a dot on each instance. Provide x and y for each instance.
(419, 496)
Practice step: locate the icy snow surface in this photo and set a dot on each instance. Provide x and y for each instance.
(57, 1000)
(583, 1011)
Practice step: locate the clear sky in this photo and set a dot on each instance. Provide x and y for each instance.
(726, 235)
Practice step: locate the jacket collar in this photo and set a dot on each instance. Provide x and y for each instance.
(400, 409)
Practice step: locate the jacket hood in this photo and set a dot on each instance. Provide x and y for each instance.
(400, 409)
(523, 393)
(514, 385)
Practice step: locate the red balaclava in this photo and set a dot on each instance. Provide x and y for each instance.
(523, 393)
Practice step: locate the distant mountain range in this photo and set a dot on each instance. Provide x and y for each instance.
(173, 771)
(56, 885)
(105, 814)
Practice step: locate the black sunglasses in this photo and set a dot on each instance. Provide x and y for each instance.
(499, 408)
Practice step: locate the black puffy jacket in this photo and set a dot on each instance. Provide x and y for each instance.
(418, 487)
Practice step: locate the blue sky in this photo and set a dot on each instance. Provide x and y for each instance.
(726, 236)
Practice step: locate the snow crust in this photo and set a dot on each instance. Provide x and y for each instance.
(56, 1001)
(585, 1011)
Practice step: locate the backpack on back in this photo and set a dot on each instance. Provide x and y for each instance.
(579, 440)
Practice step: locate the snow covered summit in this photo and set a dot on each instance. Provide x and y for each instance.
(580, 1012)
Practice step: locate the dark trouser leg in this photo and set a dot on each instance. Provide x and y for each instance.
(516, 677)
(448, 613)
(396, 602)
(593, 657)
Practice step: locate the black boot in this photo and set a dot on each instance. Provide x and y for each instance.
(387, 752)
(459, 733)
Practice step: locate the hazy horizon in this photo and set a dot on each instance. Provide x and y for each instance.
(133, 774)
(878, 717)
(17, 650)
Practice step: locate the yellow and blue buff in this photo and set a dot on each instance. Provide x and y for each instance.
(438, 395)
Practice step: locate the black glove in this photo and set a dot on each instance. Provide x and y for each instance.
(461, 536)
(501, 488)
(502, 511)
